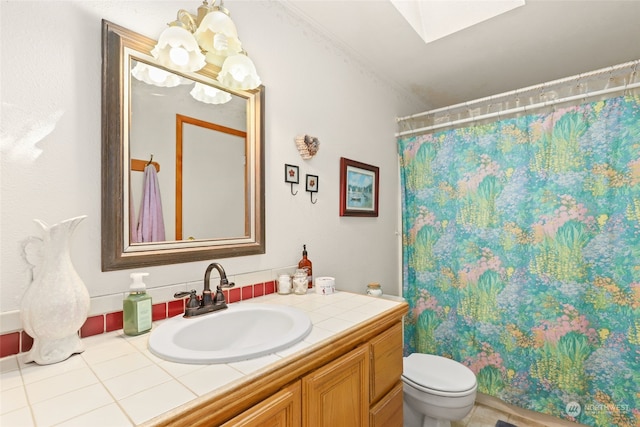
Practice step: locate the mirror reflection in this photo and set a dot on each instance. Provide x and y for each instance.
(183, 161)
(198, 144)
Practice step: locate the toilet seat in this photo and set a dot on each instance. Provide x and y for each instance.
(438, 375)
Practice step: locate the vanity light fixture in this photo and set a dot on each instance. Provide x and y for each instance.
(154, 75)
(209, 94)
(162, 78)
(192, 41)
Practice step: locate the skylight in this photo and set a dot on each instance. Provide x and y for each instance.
(434, 19)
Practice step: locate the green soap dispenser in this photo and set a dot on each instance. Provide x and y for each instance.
(136, 307)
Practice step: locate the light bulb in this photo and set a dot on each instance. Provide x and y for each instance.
(179, 56)
(220, 42)
(158, 76)
(178, 50)
(209, 94)
(238, 72)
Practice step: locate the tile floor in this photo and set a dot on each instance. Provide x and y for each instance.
(488, 411)
(485, 416)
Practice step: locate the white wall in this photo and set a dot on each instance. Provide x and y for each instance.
(51, 124)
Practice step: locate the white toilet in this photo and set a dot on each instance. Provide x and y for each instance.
(436, 390)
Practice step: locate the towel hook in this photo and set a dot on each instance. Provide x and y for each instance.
(312, 186)
(291, 173)
(150, 160)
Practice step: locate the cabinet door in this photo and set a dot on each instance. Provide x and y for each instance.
(283, 409)
(337, 394)
(388, 412)
(386, 361)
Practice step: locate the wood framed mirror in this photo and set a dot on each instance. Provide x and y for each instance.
(142, 124)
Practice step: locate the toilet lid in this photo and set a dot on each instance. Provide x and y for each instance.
(438, 373)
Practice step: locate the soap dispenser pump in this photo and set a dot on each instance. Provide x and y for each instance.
(137, 307)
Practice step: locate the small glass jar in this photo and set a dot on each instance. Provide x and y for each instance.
(300, 282)
(284, 284)
(374, 289)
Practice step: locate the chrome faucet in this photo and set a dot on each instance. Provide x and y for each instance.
(208, 302)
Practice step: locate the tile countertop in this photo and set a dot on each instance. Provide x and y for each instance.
(116, 381)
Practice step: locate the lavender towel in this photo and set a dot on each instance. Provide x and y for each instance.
(150, 221)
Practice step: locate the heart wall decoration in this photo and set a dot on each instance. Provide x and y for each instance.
(307, 145)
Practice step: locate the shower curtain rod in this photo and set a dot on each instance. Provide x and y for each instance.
(519, 109)
(504, 95)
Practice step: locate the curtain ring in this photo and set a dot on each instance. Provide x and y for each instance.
(632, 75)
(628, 79)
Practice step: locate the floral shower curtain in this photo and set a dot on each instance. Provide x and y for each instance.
(521, 247)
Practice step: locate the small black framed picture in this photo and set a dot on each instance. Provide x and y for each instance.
(312, 183)
(291, 174)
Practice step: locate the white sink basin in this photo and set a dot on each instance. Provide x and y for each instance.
(242, 331)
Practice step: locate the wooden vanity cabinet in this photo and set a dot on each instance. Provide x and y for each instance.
(388, 411)
(349, 390)
(338, 393)
(334, 395)
(361, 388)
(386, 386)
(386, 361)
(352, 380)
(283, 409)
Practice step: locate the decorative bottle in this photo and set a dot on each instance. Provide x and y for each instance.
(137, 307)
(55, 305)
(306, 265)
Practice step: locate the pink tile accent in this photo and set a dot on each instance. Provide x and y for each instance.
(247, 292)
(9, 344)
(258, 290)
(159, 311)
(269, 287)
(234, 295)
(114, 321)
(94, 325)
(175, 308)
(27, 341)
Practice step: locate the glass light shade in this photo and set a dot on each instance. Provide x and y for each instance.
(177, 49)
(209, 95)
(218, 37)
(238, 72)
(154, 76)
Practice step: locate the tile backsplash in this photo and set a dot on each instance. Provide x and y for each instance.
(106, 312)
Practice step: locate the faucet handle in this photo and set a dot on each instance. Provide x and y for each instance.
(224, 283)
(193, 298)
